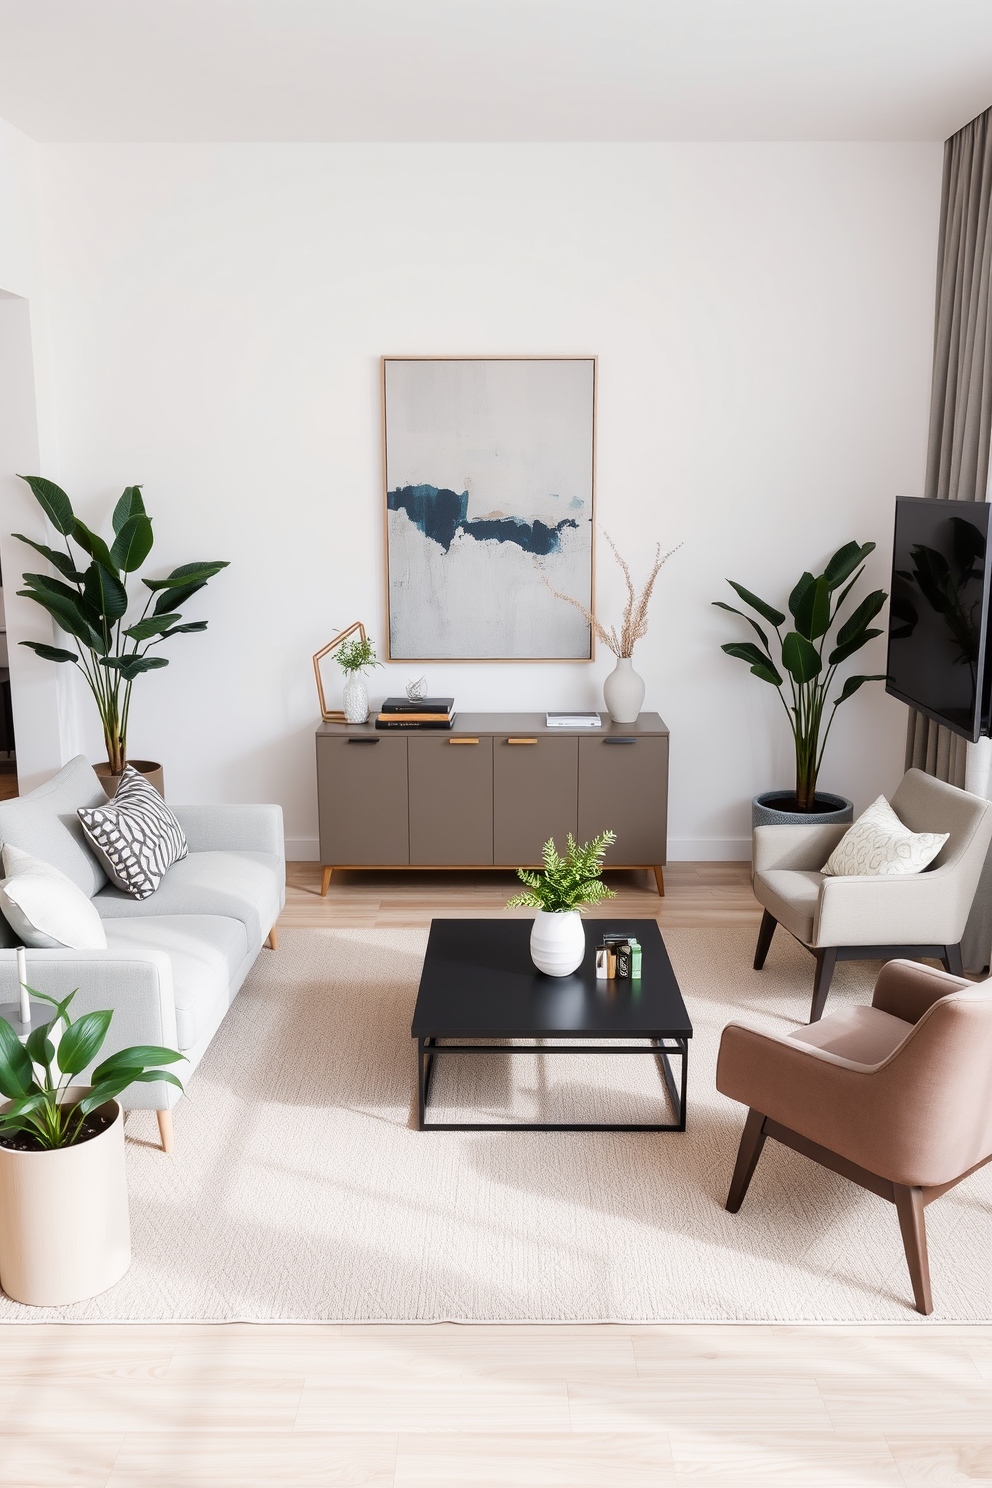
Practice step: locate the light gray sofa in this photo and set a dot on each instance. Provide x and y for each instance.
(174, 962)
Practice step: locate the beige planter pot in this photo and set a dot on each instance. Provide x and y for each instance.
(64, 1228)
(148, 768)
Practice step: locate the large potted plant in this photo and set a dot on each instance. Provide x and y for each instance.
(805, 673)
(566, 887)
(89, 601)
(64, 1230)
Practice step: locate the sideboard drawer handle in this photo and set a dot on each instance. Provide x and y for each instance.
(521, 741)
(363, 741)
(463, 741)
(619, 741)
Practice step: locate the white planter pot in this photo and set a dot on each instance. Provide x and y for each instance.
(356, 699)
(557, 942)
(64, 1228)
(623, 692)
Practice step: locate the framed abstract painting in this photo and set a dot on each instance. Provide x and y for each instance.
(489, 466)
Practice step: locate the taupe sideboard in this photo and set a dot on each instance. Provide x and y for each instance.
(490, 793)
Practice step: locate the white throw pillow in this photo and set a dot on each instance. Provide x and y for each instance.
(135, 836)
(46, 909)
(879, 843)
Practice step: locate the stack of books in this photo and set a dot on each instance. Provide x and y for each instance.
(425, 713)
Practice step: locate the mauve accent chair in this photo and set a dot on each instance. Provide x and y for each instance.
(894, 1096)
(874, 918)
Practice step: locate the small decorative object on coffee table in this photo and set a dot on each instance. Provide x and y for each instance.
(479, 996)
(565, 888)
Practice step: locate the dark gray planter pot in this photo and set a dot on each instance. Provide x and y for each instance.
(767, 810)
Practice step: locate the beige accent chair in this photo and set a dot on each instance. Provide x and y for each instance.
(894, 1096)
(869, 918)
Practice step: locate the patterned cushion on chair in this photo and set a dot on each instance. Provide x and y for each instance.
(135, 835)
(880, 844)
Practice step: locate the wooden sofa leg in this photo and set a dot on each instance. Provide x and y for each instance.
(273, 939)
(165, 1130)
(909, 1205)
(765, 933)
(325, 882)
(825, 963)
(752, 1141)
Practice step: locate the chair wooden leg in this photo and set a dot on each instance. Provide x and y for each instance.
(325, 882)
(765, 933)
(659, 879)
(826, 960)
(165, 1130)
(909, 1204)
(273, 939)
(752, 1141)
(952, 960)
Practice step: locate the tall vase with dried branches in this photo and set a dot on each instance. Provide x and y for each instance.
(623, 689)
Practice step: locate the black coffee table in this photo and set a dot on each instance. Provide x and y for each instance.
(480, 984)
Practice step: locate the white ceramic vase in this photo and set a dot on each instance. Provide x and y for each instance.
(356, 699)
(623, 691)
(557, 942)
(64, 1228)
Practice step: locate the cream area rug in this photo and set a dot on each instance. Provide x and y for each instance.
(301, 1189)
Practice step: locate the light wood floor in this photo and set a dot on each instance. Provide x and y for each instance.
(574, 1407)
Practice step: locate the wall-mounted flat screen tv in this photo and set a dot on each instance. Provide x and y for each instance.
(939, 612)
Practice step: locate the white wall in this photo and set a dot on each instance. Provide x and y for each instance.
(762, 316)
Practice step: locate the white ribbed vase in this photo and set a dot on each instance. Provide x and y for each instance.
(356, 699)
(557, 942)
(623, 691)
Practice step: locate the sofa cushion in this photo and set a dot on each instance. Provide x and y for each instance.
(865, 1034)
(791, 895)
(44, 823)
(46, 909)
(879, 844)
(245, 886)
(135, 836)
(206, 952)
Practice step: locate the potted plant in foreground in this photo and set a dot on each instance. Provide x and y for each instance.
(353, 657)
(89, 601)
(64, 1229)
(560, 893)
(810, 671)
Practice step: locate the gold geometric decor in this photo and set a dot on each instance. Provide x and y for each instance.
(333, 715)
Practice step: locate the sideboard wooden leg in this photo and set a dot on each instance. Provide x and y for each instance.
(659, 878)
(165, 1130)
(273, 939)
(325, 882)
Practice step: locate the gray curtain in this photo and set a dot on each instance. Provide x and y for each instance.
(961, 420)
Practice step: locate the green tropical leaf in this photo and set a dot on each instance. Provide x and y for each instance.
(186, 629)
(68, 614)
(50, 653)
(766, 611)
(92, 543)
(58, 560)
(756, 660)
(187, 573)
(130, 505)
(54, 502)
(82, 1041)
(39, 1046)
(801, 658)
(812, 613)
(111, 1087)
(845, 561)
(154, 625)
(132, 666)
(853, 683)
(174, 599)
(796, 597)
(862, 616)
(105, 592)
(841, 653)
(16, 1070)
(753, 623)
(139, 1056)
(133, 543)
(847, 590)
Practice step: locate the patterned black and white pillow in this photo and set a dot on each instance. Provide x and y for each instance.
(135, 836)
